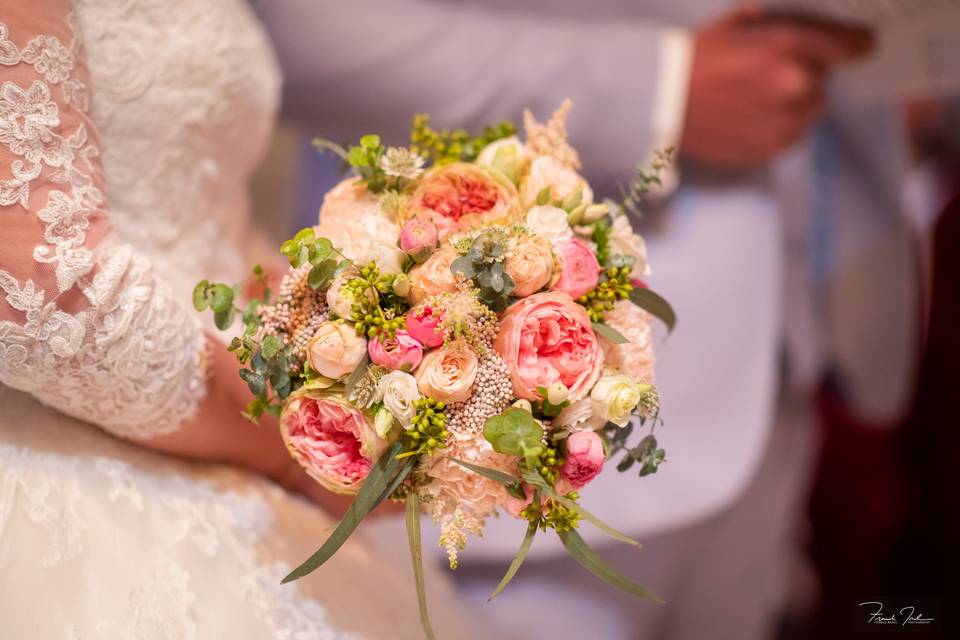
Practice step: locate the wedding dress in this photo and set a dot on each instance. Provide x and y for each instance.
(128, 129)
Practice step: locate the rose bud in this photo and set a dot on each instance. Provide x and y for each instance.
(419, 238)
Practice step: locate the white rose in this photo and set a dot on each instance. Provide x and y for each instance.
(549, 222)
(399, 390)
(509, 155)
(388, 257)
(335, 350)
(614, 398)
(624, 242)
(547, 171)
(578, 416)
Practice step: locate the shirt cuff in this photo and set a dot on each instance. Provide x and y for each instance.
(674, 59)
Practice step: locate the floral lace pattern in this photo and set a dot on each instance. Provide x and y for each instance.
(130, 359)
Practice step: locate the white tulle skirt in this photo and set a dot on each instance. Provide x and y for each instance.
(100, 539)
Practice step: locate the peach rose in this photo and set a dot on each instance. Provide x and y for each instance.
(433, 276)
(330, 438)
(447, 374)
(462, 196)
(547, 338)
(335, 350)
(530, 263)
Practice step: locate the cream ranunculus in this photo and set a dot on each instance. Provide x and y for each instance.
(547, 171)
(399, 391)
(340, 300)
(530, 264)
(624, 242)
(335, 350)
(549, 222)
(434, 276)
(614, 398)
(447, 374)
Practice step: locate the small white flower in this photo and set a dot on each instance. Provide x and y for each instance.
(549, 222)
(400, 162)
(399, 391)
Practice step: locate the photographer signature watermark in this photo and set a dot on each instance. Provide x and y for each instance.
(898, 613)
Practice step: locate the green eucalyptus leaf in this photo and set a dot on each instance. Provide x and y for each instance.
(221, 297)
(514, 432)
(608, 333)
(626, 463)
(412, 517)
(259, 363)
(343, 266)
(321, 274)
(290, 248)
(200, 301)
(224, 319)
(589, 560)
(654, 304)
(321, 250)
(307, 234)
(464, 266)
(377, 482)
(517, 560)
(270, 347)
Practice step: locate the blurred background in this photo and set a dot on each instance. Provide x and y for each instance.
(809, 236)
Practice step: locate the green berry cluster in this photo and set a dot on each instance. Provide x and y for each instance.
(370, 319)
(549, 465)
(428, 430)
(453, 146)
(560, 517)
(614, 285)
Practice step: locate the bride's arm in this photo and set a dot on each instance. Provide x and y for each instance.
(86, 325)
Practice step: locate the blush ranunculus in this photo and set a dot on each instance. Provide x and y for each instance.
(419, 238)
(423, 323)
(460, 196)
(335, 350)
(584, 458)
(580, 270)
(447, 374)
(402, 352)
(547, 338)
(530, 264)
(330, 438)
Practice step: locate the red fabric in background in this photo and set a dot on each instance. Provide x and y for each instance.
(885, 505)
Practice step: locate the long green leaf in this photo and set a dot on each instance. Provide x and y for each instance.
(517, 560)
(609, 334)
(535, 479)
(416, 554)
(593, 563)
(404, 471)
(499, 476)
(651, 301)
(381, 475)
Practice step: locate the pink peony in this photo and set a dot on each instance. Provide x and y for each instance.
(584, 458)
(330, 438)
(403, 352)
(546, 338)
(423, 323)
(580, 272)
(419, 238)
(460, 196)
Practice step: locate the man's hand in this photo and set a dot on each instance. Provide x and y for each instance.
(757, 83)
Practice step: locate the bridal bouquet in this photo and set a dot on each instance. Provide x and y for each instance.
(466, 330)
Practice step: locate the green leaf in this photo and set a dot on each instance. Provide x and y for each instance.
(321, 275)
(404, 472)
(200, 301)
(654, 304)
(370, 141)
(270, 347)
(464, 266)
(321, 250)
(356, 375)
(221, 297)
(517, 560)
(381, 474)
(290, 248)
(357, 157)
(343, 266)
(224, 319)
(626, 463)
(544, 196)
(589, 560)
(499, 476)
(416, 554)
(254, 380)
(514, 432)
(307, 234)
(259, 363)
(608, 333)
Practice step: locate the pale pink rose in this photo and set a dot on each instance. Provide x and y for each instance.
(530, 264)
(403, 352)
(352, 220)
(419, 238)
(433, 276)
(580, 270)
(423, 323)
(584, 458)
(447, 374)
(547, 338)
(460, 196)
(635, 358)
(330, 438)
(335, 350)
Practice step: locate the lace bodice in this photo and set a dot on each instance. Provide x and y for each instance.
(128, 130)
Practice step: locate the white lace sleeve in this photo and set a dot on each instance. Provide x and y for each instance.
(85, 324)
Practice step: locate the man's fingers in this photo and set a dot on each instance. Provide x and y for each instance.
(815, 43)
